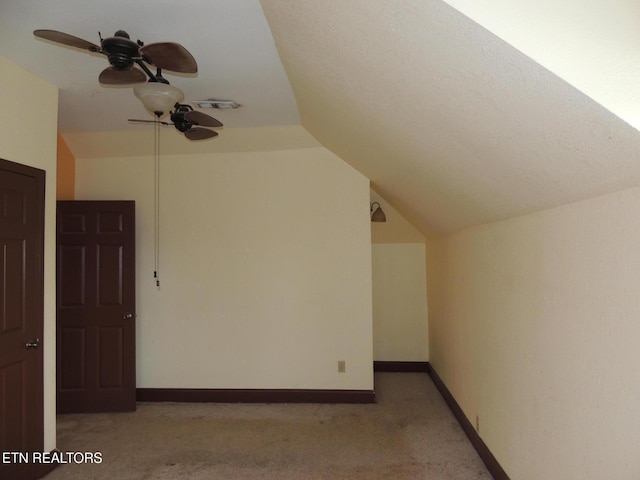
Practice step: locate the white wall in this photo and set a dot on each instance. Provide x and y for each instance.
(265, 266)
(28, 135)
(536, 332)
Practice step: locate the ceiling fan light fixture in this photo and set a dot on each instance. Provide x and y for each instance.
(158, 97)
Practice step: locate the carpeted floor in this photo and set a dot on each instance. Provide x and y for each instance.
(409, 434)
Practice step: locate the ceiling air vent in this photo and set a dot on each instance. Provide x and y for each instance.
(213, 103)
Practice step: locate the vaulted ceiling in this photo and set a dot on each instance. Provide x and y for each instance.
(458, 118)
(454, 126)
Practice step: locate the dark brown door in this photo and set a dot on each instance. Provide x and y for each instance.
(21, 312)
(96, 306)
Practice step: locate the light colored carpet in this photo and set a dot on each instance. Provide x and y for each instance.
(409, 434)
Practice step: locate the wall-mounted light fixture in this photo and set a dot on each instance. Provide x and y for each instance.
(377, 215)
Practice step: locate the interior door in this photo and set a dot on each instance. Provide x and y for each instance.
(21, 312)
(96, 306)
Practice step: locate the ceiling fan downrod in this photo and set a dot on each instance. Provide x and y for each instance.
(152, 78)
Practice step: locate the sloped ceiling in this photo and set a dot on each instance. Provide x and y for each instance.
(454, 126)
(595, 46)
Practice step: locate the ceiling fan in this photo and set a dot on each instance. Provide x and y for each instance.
(188, 121)
(129, 61)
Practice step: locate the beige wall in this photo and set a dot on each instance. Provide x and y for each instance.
(28, 135)
(535, 330)
(400, 327)
(400, 321)
(66, 171)
(265, 263)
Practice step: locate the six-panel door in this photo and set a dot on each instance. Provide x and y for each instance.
(96, 306)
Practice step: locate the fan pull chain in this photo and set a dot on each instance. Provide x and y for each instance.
(156, 201)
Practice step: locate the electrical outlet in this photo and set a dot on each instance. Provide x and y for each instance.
(342, 366)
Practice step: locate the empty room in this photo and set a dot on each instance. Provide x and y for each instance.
(320, 239)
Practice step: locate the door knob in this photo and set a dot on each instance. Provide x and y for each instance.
(128, 316)
(34, 344)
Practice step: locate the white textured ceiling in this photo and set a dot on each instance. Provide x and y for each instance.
(454, 126)
(229, 39)
(593, 45)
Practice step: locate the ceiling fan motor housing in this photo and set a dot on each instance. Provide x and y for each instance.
(180, 122)
(120, 50)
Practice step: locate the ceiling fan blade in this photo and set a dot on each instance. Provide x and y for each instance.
(66, 39)
(200, 133)
(111, 76)
(170, 56)
(135, 120)
(199, 118)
